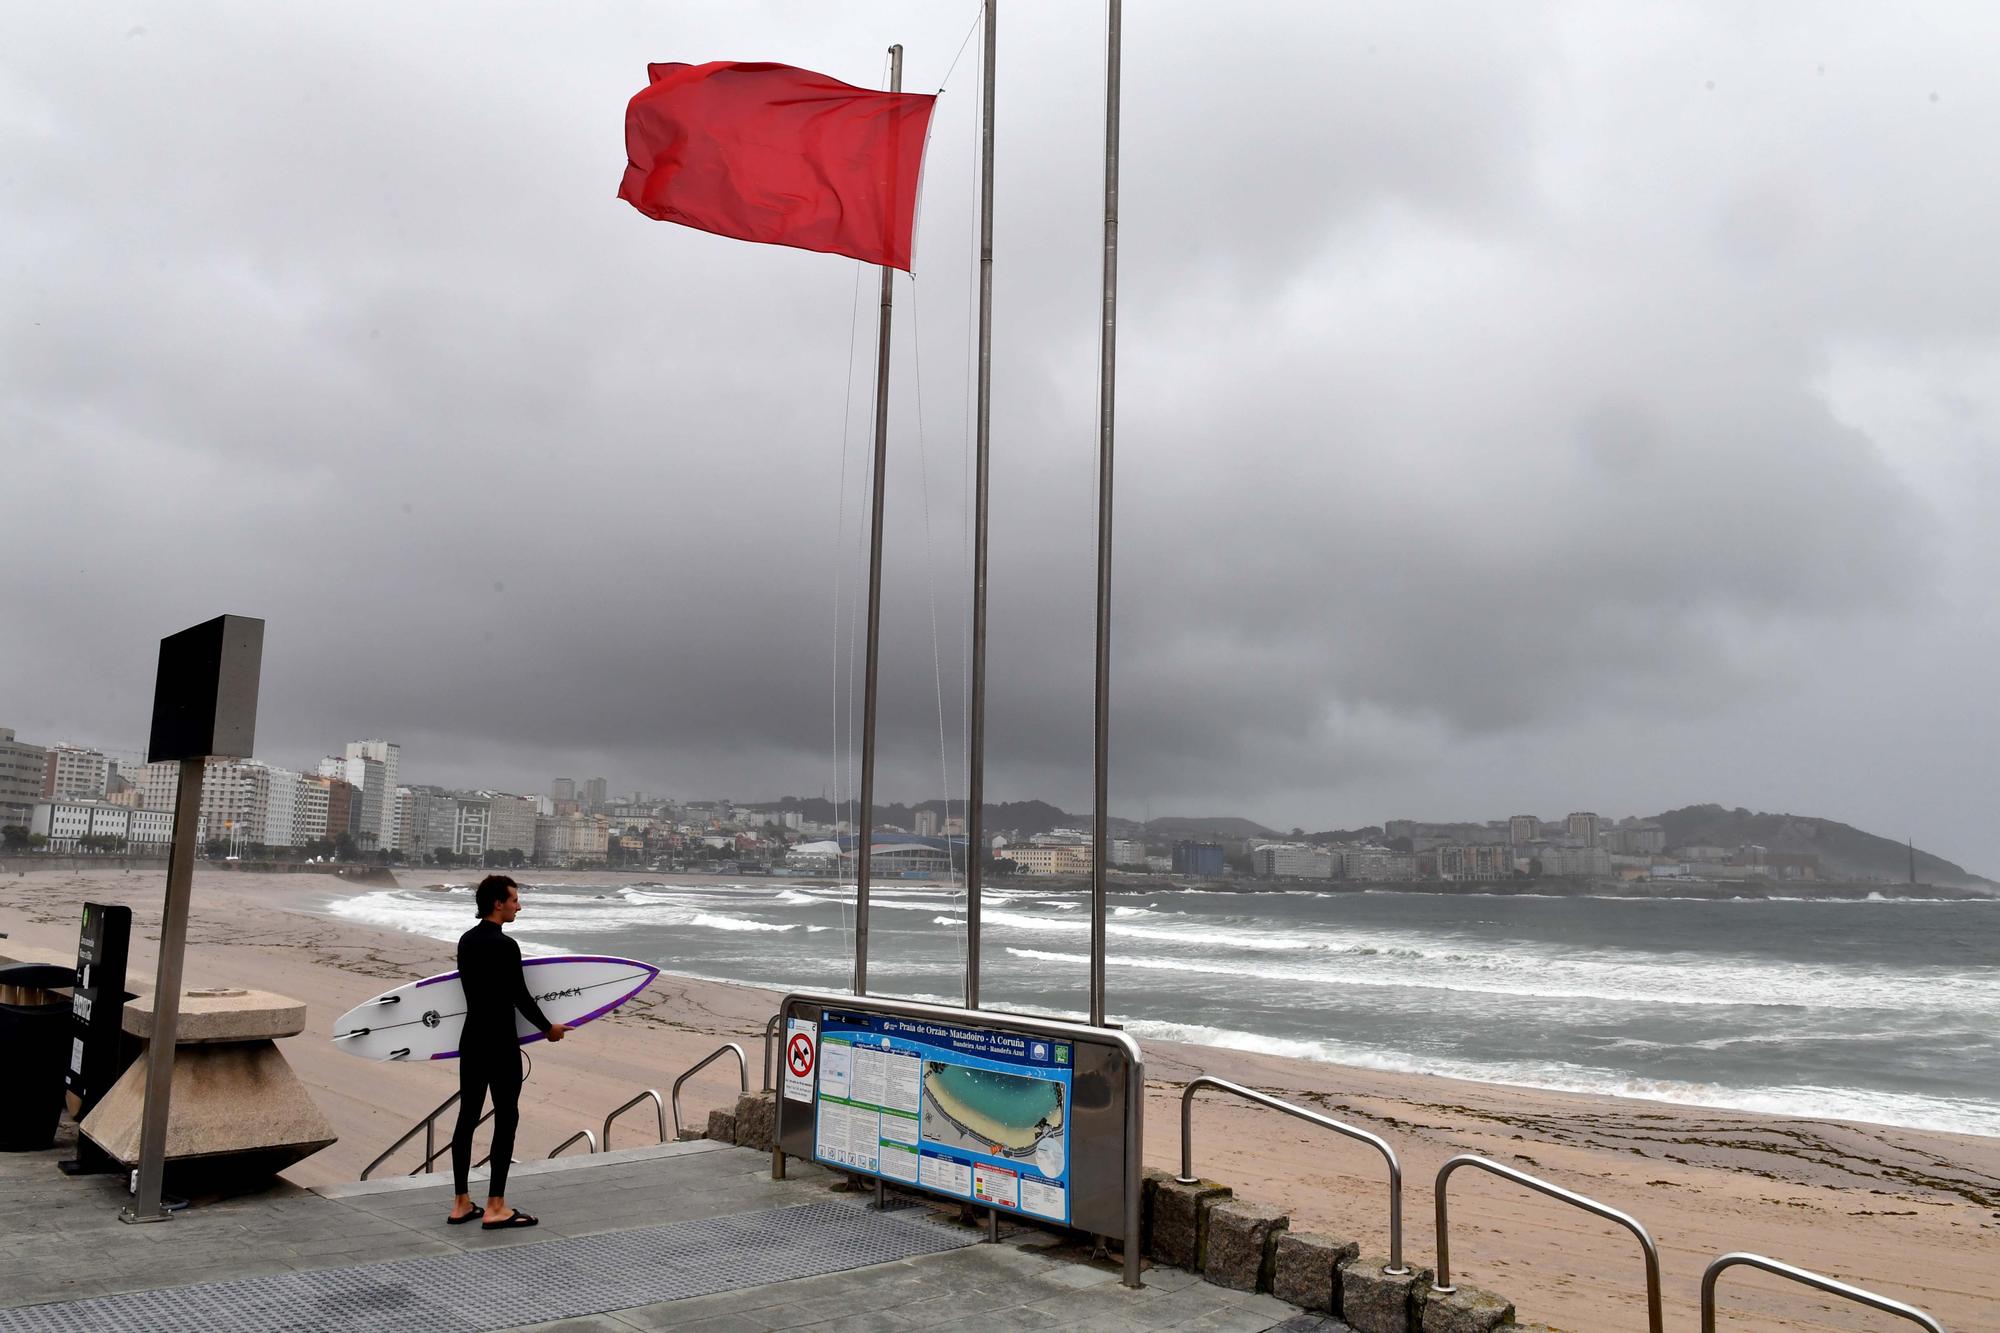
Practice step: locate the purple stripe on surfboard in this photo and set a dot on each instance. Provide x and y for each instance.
(535, 962)
(648, 968)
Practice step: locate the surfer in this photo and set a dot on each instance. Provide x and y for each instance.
(489, 1060)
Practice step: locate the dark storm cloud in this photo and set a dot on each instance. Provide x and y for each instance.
(1502, 396)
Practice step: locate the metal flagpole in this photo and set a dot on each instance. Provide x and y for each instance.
(975, 757)
(1105, 399)
(865, 845)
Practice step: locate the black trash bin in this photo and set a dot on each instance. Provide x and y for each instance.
(34, 1038)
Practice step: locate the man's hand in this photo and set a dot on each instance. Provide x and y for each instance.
(558, 1031)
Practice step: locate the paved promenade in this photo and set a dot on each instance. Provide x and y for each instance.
(690, 1236)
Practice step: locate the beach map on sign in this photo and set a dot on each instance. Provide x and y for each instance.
(978, 1114)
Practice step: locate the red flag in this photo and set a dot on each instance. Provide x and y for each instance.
(770, 153)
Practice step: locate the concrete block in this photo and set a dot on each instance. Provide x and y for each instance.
(222, 1014)
(757, 1120)
(1149, 1185)
(238, 1114)
(1242, 1240)
(1177, 1220)
(1306, 1270)
(1466, 1310)
(1378, 1302)
(722, 1125)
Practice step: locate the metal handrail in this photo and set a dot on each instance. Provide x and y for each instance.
(742, 1071)
(1187, 1176)
(583, 1134)
(1817, 1281)
(427, 1127)
(659, 1110)
(770, 1043)
(1540, 1186)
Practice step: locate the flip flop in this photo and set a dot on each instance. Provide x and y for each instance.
(451, 1221)
(517, 1218)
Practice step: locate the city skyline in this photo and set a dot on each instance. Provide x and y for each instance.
(1542, 443)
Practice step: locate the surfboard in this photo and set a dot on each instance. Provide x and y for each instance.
(424, 1019)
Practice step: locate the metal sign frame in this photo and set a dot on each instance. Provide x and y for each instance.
(1107, 1109)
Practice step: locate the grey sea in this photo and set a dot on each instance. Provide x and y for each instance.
(1882, 1011)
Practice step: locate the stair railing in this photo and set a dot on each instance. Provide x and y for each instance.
(1817, 1281)
(742, 1072)
(1375, 1141)
(1540, 1186)
(659, 1110)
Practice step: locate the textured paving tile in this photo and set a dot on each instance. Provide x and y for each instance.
(521, 1285)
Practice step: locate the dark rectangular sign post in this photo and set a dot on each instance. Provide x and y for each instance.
(1032, 1117)
(97, 1020)
(204, 704)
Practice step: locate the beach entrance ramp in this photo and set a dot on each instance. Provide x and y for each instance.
(682, 1235)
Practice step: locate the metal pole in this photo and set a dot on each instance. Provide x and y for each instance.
(865, 845)
(1105, 401)
(975, 757)
(145, 1206)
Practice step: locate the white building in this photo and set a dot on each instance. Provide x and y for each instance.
(64, 822)
(281, 801)
(75, 774)
(155, 783)
(564, 840)
(1583, 825)
(510, 823)
(235, 800)
(22, 767)
(310, 795)
(1125, 852)
(378, 815)
(1292, 860)
(1378, 865)
(151, 827)
(475, 813)
(1048, 858)
(1486, 861)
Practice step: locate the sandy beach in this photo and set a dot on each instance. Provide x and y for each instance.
(1913, 1214)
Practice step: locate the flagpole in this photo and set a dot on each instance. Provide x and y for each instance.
(975, 791)
(1105, 399)
(865, 845)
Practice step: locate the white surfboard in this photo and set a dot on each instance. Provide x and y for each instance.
(423, 1020)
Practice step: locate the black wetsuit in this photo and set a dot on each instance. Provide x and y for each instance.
(489, 1054)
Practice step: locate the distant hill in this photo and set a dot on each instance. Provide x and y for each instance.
(1844, 852)
(1172, 828)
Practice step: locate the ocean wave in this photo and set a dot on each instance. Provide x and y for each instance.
(720, 921)
(1611, 983)
(1953, 1115)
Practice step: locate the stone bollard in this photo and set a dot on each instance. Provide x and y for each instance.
(1241, 1248)
(1180, 1214)
(721, 1126)
(1377, 1302)
(757, 1120)
(1306, 1270)
(238, 1113)
(1466, 1310)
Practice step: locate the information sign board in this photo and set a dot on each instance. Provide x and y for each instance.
(976, 1113)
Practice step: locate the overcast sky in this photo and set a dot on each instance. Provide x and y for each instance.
(1521, 408)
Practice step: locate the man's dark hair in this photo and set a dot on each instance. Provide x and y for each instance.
(492, 891)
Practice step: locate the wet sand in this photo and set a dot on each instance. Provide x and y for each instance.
(1911, 1213)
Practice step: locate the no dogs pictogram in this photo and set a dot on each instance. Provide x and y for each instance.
(799, 1055)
